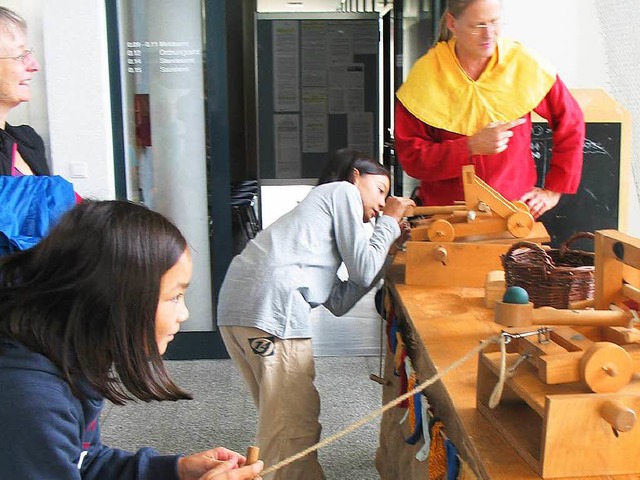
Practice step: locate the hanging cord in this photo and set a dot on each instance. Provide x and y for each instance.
(380, 372)
(388, 406)
(380, 377)
(496, 395)
(506, 337)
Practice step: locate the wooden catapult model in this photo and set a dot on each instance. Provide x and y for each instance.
(483, 212)
(457, 245)
(572, 391)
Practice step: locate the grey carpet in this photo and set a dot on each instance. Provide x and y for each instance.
(222, 414)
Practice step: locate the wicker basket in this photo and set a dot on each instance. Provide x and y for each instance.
(552, 277)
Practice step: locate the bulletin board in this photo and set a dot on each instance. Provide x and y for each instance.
(317, 91)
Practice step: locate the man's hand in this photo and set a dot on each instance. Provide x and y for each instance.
(540, 200)
(494, 138)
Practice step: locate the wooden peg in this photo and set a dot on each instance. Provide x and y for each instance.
(618, 415)
(253, 455)
(522, 315)
(440, 255)
(380, 380)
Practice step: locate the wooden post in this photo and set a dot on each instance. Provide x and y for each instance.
(253, 455)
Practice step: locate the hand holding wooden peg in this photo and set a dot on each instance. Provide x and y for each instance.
(253, 455)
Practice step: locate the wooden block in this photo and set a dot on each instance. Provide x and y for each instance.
(570, 434)
(538, 234)
(570, 339)
(494, 287)
(564, 367)
(532, 346)
(622, 335)
(466, 264)
(495, 277)
(481, 227)
(420, 234)
(560, 368)
(554, 363)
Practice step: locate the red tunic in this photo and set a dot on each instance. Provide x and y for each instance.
(436, 156)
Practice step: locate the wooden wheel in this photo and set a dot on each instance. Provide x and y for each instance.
(441, 231)
(606, 367)
(520, 224)
(521, 206)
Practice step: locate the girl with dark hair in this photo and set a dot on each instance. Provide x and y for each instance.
(343, 164)
(285, 271)
(86, 315)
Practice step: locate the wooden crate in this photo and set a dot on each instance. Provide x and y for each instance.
(462, 263)
(559, 429)
(452, 264)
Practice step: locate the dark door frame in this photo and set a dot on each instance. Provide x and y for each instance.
(196, 344)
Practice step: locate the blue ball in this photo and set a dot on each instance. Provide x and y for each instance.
(516, 295)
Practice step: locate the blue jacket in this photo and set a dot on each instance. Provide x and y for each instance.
(46, 431)
(31, 206)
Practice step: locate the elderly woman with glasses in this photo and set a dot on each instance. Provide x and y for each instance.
(21, 148)
(469, 101)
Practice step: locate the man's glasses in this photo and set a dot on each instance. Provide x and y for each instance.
(24, 57)
(483, 28)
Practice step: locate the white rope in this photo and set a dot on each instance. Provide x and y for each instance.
(384, 408)
(496, 395)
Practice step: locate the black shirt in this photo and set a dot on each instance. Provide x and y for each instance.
(30, 146)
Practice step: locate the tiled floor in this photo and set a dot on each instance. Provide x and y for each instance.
(222, 413)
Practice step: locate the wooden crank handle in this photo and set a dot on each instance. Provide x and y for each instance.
(253, 455)
(522, 315)
(432, 210)
(551, 316)
(618, 415)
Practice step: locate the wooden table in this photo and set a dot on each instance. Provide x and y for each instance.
(442, 324)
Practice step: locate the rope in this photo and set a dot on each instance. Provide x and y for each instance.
(494, 399)
(384, 408)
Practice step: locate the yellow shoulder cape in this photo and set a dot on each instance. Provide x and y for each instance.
(439, 92)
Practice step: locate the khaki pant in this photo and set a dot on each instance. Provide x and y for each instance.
(280, 375)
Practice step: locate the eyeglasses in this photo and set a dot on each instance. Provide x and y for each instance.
(483, 28)
(24, 57)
